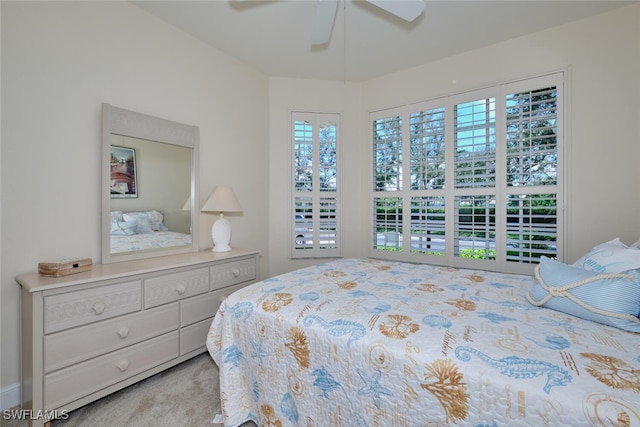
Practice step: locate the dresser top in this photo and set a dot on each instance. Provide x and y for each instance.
(33, 282)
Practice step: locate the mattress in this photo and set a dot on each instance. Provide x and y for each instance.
(363, 342)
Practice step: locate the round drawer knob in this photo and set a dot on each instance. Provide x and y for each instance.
(98, 307)
(180, 289)
(123, 365)
(123, 332)
(235, 272)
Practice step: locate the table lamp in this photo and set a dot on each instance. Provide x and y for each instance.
(222, 199)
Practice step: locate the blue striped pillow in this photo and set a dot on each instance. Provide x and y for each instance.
(611, 298)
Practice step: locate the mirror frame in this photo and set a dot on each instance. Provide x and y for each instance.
(137, 125)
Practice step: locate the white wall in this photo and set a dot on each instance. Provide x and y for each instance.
(60, 61)
(602, 57)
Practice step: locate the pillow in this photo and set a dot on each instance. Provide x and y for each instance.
(124, 228)
(610, 257)
(116, 216)
(143, 224)
(612, 298)
(153, 218)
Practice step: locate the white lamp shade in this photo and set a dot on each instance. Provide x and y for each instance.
(222, 200)
(187, 205)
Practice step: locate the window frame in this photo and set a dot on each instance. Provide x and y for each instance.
(501, 189)
(317, 225)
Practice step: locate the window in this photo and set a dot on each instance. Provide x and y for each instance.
(471, 180)
(315, 198)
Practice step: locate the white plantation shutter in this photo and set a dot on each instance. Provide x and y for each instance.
(328, 224)
(475, 143)
(428, 233)
(532, 137)
(315, 197)
(531, 227)
(387, 154)
(484, 187)
(427, 149)
(387, 230)
(533, 161)
(475, 227)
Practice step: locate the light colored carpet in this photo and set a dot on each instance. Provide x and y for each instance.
(185, 395)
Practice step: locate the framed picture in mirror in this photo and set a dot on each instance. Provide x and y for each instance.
(123, 183)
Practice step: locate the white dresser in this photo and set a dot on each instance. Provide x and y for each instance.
(89, 334)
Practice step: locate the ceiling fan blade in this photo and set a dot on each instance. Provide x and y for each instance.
(405, 9)
(323, 22)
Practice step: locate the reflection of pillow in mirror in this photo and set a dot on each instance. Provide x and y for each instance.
(154, 218)
(116, 216)
(124, 228)
(143, 225)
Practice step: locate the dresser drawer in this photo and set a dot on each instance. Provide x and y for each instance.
(174, 286)
(230, 273)
(77, 308)
(194, 337)
(197, 308)
(203, 306)
(72, 346)
(76, 381)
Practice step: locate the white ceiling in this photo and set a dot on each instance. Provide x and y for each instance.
(275, 35)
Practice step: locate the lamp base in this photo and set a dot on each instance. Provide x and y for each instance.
(221, 235)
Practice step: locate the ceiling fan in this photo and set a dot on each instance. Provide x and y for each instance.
(408, 10)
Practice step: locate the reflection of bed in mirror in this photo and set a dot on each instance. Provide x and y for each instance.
(143, 231)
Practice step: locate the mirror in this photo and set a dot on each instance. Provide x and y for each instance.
(149, 186)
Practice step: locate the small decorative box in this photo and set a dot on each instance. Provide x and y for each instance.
(64, 267)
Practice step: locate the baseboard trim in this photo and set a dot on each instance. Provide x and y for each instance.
(10, 396)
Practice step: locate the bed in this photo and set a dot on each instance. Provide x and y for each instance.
(145, 230)
(365, 342)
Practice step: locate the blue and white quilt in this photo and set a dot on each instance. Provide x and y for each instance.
(363, 342)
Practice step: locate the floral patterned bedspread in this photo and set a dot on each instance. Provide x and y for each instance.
(363, 342)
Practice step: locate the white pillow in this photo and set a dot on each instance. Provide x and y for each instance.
(610, 257)
(116, 216)
(124, 228)
(153, 218)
